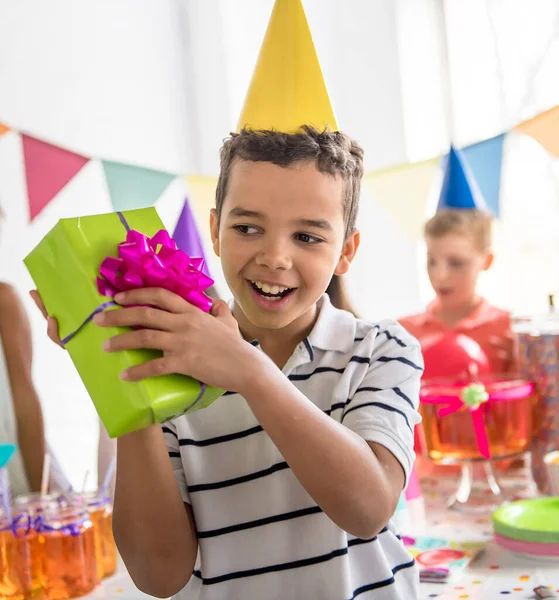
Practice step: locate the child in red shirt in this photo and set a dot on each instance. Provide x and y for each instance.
(458, 250)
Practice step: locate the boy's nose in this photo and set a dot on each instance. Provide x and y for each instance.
(274, 256)
(439, 273)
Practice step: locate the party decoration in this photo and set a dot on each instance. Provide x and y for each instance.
(452, 354)
(48, 169)
(65, 266)
(476, 398)
(6, 453)
(537, 345)
(459, 189)
(134, 187)
(474, 395)
(154, 262)
(187, 236)
(404, 192)
(287, 88)
(485, 160)
(3, 129)
(544, 128)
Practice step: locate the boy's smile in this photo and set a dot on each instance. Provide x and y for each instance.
(280, 239)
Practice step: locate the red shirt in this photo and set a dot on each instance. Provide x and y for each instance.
(489, 326)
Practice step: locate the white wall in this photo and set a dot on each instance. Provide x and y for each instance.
(103, 78)
(159, 83)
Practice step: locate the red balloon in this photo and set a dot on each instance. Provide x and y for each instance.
(454, 355)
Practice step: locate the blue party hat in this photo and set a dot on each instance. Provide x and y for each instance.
(6, 452)
(459, 190)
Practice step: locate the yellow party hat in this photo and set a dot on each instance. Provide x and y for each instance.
(287, 88)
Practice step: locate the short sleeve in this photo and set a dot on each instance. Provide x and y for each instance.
(384, 405)
(172, 441)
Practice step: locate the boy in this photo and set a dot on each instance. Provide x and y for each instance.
(458, 250)
(286, 485)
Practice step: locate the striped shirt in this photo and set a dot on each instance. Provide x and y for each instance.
(261, 536)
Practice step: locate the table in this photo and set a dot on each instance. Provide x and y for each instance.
(118, 587)
(496, 573)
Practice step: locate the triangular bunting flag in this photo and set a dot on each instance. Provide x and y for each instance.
(403, 192)
(134, 187)
(3, 129)
(544, 128)
(485, 160)
(48, 169)
(201, 190)
(287, 88)
(459, 189)
(187, 236)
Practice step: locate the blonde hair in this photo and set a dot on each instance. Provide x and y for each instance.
(476, 224)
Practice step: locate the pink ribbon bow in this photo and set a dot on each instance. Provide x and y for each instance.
(454, 403)
(155, 262)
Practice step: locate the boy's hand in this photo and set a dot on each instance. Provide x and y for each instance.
(52, 324)
(207, 347)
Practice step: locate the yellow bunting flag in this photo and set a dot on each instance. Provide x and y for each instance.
(3, 129)
(287, 88)
(403, 192)
(544, 128)
(201, 192)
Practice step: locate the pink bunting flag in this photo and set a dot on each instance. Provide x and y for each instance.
(48, 169)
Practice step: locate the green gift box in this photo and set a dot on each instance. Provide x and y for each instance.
(65, 266)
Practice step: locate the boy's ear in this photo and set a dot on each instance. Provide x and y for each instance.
(214, 230)
(348, 252)
(488, 261)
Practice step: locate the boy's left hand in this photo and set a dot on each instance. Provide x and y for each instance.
(207, 347)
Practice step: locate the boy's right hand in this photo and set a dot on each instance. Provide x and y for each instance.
(52, 324)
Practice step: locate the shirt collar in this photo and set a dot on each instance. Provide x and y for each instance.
(334, 329)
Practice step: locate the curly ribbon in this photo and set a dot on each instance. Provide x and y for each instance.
(454, 403)
(150, 262)
(73, 529)
(16, 524)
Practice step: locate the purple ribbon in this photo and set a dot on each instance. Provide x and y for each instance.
(73, 529)
(15, 525)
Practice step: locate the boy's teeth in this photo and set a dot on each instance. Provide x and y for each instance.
(269, 289)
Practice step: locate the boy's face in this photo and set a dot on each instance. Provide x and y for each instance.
(453, 265)
(280, 239)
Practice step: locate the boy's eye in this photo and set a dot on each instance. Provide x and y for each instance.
(246, 229)
(456, 264)
(307, 238)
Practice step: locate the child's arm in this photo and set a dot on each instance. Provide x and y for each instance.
(15, 335)
(357, 484)
(153, 527)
